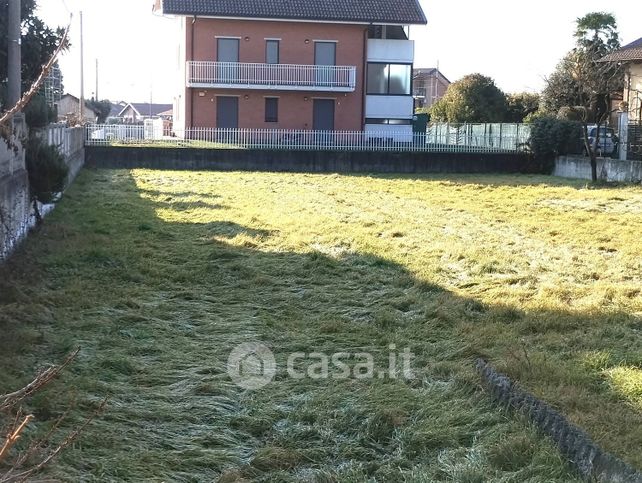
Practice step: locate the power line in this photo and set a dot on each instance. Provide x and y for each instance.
(65, 5)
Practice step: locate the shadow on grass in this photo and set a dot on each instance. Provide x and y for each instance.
(157, 306)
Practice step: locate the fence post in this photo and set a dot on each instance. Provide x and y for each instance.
(623, 129)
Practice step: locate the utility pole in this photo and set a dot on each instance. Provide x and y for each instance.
(97, 98)
(81, 105)
(14, 54)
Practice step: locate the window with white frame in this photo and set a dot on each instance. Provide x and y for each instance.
(389, 79)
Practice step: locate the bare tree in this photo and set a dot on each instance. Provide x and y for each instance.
(18, 466)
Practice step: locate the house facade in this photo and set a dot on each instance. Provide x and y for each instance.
(68, 108)
(429, 85)
(137, 112)
(631, 56)
(309, 65)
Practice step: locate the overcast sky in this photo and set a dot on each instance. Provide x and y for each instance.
(516, 43)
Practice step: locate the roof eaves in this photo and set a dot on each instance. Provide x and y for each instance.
(421, 20)
(129, 104)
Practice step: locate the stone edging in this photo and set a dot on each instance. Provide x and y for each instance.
(591, 461)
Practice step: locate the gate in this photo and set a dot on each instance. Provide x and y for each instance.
(634, 145)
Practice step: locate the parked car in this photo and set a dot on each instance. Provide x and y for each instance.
(608, 141)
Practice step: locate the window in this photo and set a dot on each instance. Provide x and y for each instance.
(389, 79)
(325, 53)
(271, 109)
(227, 50)
(377, 79)
(395, 122)
(387, 32)
(271, 51)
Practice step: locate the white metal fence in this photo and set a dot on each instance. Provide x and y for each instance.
(240, 74)
(437, 138)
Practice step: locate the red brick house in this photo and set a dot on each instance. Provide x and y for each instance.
(309, 64)
(429, 85)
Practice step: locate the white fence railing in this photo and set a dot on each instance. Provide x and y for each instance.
(284, 76)
(68, 140)
(435, 139)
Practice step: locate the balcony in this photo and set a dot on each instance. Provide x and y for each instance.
(391, 51)
(393, 107)
(285, 77)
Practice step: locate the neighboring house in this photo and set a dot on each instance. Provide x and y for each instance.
(68, 109)
(429, 85)
(167, 115)
(116, 108)
(631, 56)
(137, 112)
(309, 64)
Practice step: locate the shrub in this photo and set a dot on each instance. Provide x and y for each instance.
(552, 137)
(47, 170)
(38, 113)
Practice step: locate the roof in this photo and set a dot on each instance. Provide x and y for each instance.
(390, 12)
(146, 109)
(632, 51)
(428, 72)
(116, 108)
(168, 113)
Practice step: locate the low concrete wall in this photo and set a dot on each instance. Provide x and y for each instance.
(579, 167)
(74, 151)
(15, 208)
(304, 161)
(71, 144)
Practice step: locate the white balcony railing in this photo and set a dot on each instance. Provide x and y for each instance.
(239, 75)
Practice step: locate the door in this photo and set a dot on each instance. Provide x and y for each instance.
(323, 115)
(272, 73)
(227, 54)
(325, 56)
(227, 112)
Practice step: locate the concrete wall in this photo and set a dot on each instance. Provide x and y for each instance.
(296, 47)
(608, 169)
(75, 156)
(15, 206)
(304, 161)
(14, 192)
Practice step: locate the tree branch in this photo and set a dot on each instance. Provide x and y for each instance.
(39, 81)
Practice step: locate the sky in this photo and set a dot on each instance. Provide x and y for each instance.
(516, 43)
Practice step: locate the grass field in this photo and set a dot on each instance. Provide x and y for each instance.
(159, 275)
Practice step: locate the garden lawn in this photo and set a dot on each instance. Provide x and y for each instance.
(158, 275)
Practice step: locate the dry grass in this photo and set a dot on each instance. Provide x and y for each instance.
(157, 275)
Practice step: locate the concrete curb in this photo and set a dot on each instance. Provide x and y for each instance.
(591, 461)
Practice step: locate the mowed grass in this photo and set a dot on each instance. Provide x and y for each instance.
(158, 275)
